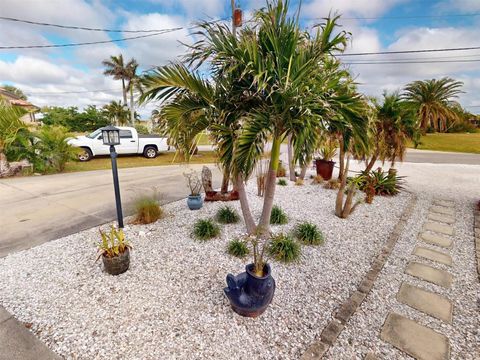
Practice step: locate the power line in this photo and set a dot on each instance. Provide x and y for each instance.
(410, 51)
(411, 62)
(87, 43)
(78, 27)
(402, 17)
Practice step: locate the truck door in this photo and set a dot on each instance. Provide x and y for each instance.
(128, 145)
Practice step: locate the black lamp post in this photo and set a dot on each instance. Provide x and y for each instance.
(111, 137)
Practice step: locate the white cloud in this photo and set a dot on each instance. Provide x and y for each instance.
(364, 8)
(197, 9)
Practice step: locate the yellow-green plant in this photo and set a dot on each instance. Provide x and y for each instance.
(113, 243)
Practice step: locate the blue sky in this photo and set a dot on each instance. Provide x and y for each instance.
(65, 76)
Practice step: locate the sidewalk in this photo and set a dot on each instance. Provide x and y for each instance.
(17, 343)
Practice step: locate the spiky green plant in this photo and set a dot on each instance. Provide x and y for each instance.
(282, 182)
(227, 215)
(309, 234)
(278, 216)
(238, 248)
(205, 229)
(284, 248)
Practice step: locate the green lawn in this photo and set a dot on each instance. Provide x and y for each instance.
(464, 142)
(203, 157)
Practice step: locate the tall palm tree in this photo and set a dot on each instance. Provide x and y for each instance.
(261, 90)
(432, 99)
(119, 70)
(133, 82)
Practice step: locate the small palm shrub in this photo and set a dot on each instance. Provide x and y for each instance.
(382, 182)
(309, 234)
(278, 216)
(299, 182)
(238, 248)
(53, 149)
(317, 180)
(284, 248)
(282, 182)
(205, 229)
(227, 215)
(332, 184)
(147, 209)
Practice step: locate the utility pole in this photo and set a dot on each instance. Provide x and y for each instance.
(234, 27)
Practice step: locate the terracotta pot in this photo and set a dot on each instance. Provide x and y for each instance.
(249, 294)
(324, 168)
(118, 264)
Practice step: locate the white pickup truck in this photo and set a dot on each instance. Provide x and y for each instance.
(130, 143)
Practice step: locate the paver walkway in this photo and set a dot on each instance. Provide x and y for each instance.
(409, 336)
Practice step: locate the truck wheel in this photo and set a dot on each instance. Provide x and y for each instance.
(150, 152)
(85, 154)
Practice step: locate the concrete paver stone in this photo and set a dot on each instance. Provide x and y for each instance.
(430, 274)
(433, 255)
(436, 240)
(439, 228)
(425, 301)
(416, 340)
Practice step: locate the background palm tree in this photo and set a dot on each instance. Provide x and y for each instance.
(133, 82)
(117, 113)
(432, 100)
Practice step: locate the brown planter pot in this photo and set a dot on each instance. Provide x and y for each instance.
(325, 168)
(117, 265)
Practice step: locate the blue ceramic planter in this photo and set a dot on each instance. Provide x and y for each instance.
(194, 202)
(249, 294)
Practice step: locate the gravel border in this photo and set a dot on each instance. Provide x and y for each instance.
(170, 304)
(361, 335)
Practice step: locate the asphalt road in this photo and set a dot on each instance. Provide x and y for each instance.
(37, 209)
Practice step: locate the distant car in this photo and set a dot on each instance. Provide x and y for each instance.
(130, 143)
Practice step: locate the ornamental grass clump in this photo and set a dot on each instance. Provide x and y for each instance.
(309, 234)
(299, 182)
(147, 209)
(205, 229)
(227, 215)
(278, 216)
(284, 248)
(282, 182)
(318, 180)
(238, 248)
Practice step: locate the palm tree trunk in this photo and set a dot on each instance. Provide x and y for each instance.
(124, 91)
(270, 182)
(371, 163)
(132, 111)
(341, 159)
(247, 214)
(304, 171)
(341, 191)
(225, 181)
(291, 165)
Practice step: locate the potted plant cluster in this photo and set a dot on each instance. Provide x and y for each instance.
(115, 251)
(324, 163)
(252, 291)
(194, 200)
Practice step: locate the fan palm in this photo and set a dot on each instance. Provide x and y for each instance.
(432, 99)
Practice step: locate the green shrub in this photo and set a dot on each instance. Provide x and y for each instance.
(205, 229)
(282, 182)
(147, 209)
(384, 182)
(53, 149)
(238, 248)
(227, 215)
(278, 217)
(284, 248)
(309, 234)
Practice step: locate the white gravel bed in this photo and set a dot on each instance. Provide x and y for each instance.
(170, 303)
(361, 335)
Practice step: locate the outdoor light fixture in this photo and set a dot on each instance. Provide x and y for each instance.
(111, 137)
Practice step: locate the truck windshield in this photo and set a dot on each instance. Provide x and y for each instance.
(94, 134)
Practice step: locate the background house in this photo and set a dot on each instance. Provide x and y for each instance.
(13, 99)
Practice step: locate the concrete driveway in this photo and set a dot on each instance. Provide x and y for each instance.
(41, 208)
